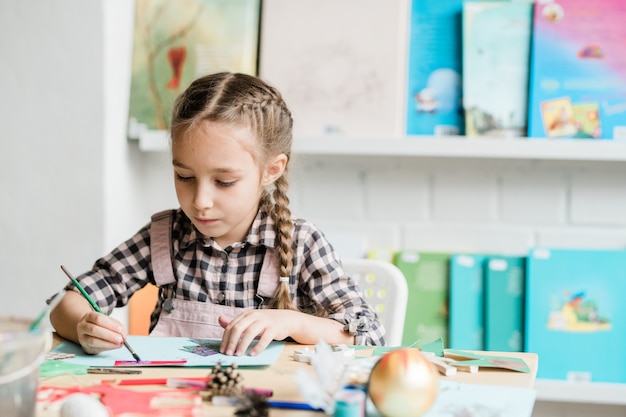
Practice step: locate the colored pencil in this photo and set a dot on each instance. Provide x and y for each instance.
(154, 381)
(292, 405)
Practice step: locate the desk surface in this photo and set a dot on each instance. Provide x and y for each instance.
(280, 378)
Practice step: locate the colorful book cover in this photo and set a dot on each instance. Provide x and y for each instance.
(575, 314)
(337, 72)
(496, 53)
(466, 323)
(427, 276)
(434, 105)
(175, 43)
(504, 303)
(577, 75)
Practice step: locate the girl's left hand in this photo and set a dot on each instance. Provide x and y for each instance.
(265, 325)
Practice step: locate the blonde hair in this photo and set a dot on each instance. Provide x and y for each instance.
(246, 100)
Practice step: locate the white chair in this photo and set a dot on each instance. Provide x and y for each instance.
(384, 287)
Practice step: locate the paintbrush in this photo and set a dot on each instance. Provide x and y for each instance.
(95, 307)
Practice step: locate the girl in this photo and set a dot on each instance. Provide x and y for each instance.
(231, 262)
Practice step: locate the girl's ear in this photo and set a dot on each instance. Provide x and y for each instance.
(275, 169)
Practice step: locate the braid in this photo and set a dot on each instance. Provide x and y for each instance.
(282, 219)
(263, 110)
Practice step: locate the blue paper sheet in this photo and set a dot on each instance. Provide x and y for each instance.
(153, 348)
(459, 399)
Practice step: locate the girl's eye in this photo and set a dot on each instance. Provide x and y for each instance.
(225, 183)
(183, 179)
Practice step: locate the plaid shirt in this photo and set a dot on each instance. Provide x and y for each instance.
(207, 273)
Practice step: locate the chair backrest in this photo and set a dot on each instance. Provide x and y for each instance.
(384, 287)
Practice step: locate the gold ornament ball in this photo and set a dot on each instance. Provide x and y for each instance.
(403, 383)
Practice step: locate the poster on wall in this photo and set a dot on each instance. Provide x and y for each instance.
(176, 42)
(339, 74)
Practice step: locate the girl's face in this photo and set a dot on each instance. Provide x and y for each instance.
(218, 183)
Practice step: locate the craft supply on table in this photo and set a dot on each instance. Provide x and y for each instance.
(223, 400)
(157, 348)
(465, 358)
(292, 405)
(225, 381)
(403, 383)
(80, 405)
(55, 367)
(442, 366)
(57, 356)
(150, 363)
(472, 369)
(153, 381)
(259, 391)
(22, 351)
(186, 383)
(286, 405)
(341, 351)
(123, 401)
(349, 402)
(113, 371)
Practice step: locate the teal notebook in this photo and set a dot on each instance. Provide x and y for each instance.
(427, 307)
(466, 325)
(575, 315)
(504, 303)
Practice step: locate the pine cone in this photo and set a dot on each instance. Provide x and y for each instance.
(225, 381)
(250, 404)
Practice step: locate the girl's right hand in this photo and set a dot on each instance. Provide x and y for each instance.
(98, 332)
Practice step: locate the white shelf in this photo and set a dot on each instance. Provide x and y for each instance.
(443, 147)
(464, 147)
(580, 392)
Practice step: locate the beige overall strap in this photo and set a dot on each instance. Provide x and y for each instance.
(161, 247)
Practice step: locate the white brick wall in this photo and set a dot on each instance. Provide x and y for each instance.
(598, 196)
(533, 198)
(461, 195)
(455, 204)
(581, 237)
(397, 193)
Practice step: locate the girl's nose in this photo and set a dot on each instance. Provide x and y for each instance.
(203, 197)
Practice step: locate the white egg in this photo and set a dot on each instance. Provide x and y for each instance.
(81, 405)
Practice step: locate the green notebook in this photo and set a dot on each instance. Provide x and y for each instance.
(427, 307)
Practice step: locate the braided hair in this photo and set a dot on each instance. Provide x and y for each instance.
(243, 99)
